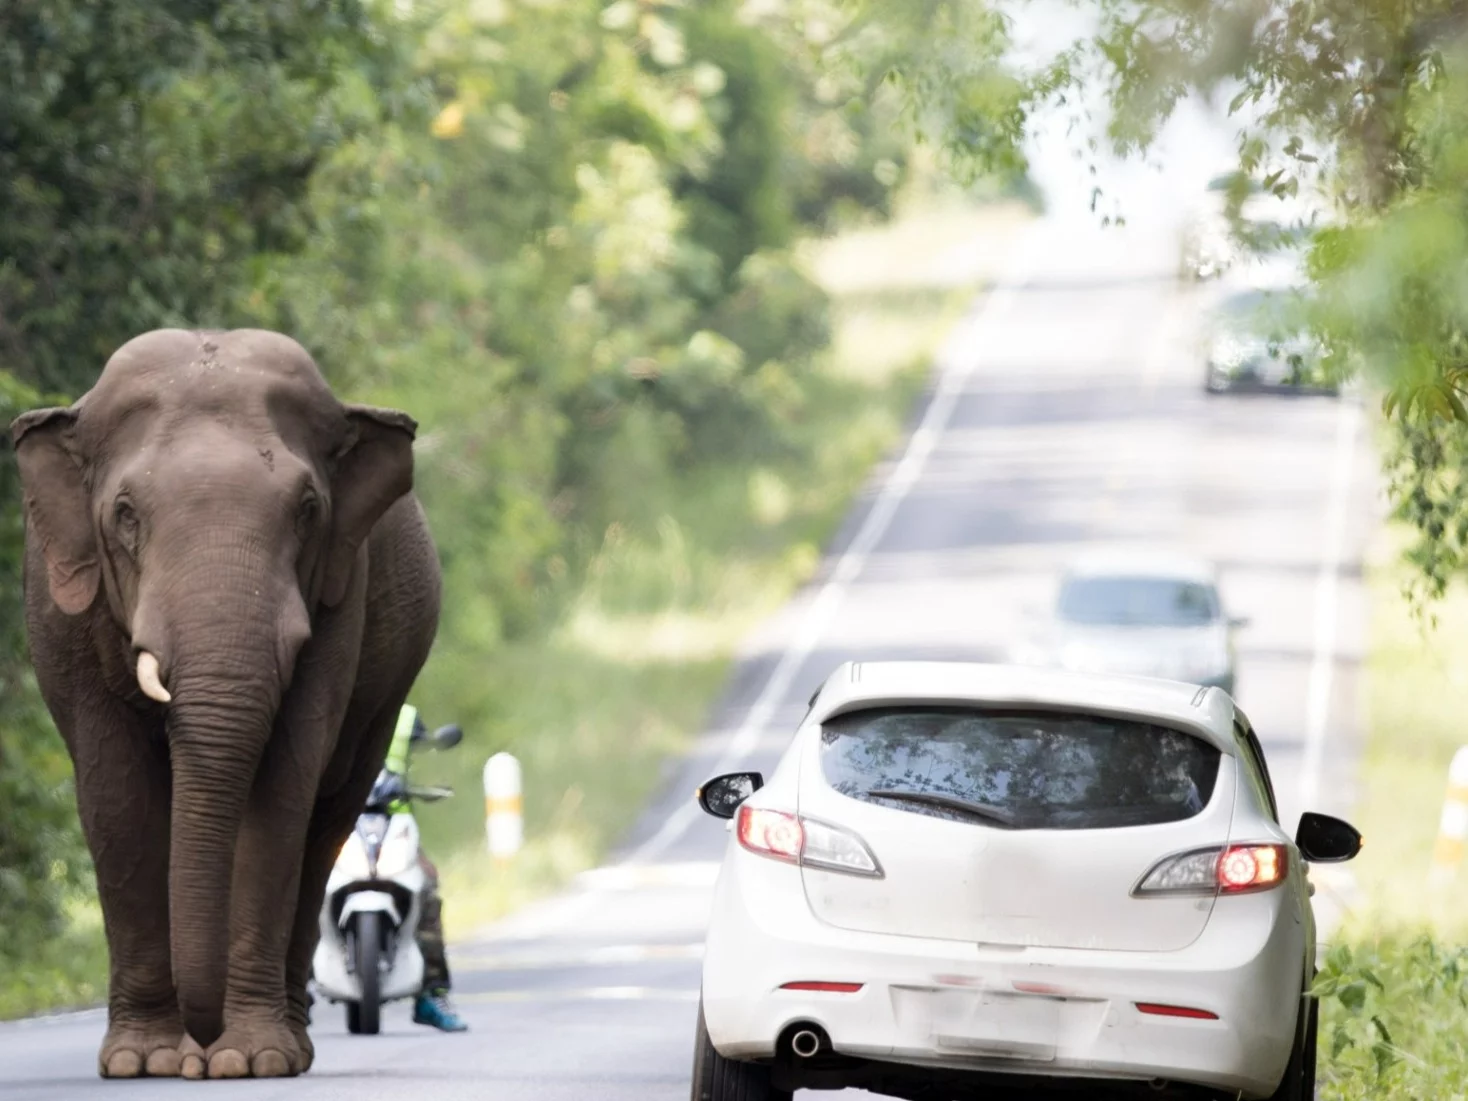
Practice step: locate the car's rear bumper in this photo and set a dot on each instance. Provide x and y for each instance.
(1043, 1011)
(1264, 382)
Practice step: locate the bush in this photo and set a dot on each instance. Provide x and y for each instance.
(1394, 1021)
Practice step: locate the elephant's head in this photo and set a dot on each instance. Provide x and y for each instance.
(215, 495)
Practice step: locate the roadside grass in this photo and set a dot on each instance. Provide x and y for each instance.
(1416, 719)
(1394, 990)
(598, 711)
(66, 971)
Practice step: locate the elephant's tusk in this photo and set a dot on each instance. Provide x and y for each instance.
(148, 678)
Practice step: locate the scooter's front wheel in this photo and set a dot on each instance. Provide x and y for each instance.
(365, 1016)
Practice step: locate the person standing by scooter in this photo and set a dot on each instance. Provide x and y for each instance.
(431, 1007)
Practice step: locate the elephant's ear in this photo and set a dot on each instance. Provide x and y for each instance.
(374, 467)
(56, 504)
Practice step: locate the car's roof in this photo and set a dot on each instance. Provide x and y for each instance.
(1122, 562)
(855, 686)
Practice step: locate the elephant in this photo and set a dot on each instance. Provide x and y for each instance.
(230, 587)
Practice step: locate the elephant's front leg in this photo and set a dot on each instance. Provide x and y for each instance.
(257, 1040)
(123, 790)
(345, 788)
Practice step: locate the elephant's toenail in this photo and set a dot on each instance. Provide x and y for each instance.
(228, 1064)
(123, 1064)
(270, 1064)
(164, 1063)
(192, 1067)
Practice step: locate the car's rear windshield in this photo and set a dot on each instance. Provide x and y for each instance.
(1263, 312)
(1019, 770)
(1137, 602)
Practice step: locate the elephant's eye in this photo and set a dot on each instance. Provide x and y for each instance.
(125, 517)
(306, 514)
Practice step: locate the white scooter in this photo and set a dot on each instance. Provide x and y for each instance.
(368, 953)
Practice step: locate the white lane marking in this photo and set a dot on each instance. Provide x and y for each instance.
(957, 361)
(610, 955)
(590, 993)
(1322, 660)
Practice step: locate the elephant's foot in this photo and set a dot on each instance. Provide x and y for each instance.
(135, 1051)
(265, 1049)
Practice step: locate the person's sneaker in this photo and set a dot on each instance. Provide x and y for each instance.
(434, 1009)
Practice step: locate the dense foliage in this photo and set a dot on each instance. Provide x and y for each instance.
(1391, 1021)
(149, 153)
(556, 232)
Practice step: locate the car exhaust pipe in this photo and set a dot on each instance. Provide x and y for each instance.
(806, 1043)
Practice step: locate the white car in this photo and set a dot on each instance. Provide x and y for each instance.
(1150, 613)
(965, 876)
(1256, 339)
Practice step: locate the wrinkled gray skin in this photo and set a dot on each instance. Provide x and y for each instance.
(210, 503)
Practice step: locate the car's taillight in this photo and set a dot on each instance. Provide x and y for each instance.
(1251, 868)
(770, 833)
(784, 836)
(1229, 870)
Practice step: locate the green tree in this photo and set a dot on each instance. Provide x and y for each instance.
(150, 155)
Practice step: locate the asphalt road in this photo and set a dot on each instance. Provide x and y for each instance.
(1069, 411)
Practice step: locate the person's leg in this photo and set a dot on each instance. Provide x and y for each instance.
(432, 1006)
(436, 977)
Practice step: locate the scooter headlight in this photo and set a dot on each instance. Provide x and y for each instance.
(352, 860)
(396, 857)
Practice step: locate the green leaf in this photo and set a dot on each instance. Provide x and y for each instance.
(1352, 995)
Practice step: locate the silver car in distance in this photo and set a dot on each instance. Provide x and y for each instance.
(1143, 612)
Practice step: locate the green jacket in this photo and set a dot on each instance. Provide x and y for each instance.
(409, 729)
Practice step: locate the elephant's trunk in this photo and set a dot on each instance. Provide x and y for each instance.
(225, 694)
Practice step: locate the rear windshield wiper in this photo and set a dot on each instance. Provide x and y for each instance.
(982, 811)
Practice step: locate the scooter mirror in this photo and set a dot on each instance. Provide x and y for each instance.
(446, 737)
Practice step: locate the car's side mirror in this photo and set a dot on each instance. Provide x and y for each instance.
(446, 737)
(1322, 839)
(722, 795)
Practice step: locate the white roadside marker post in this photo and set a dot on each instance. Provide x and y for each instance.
(504, 823)
(1447, 854)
